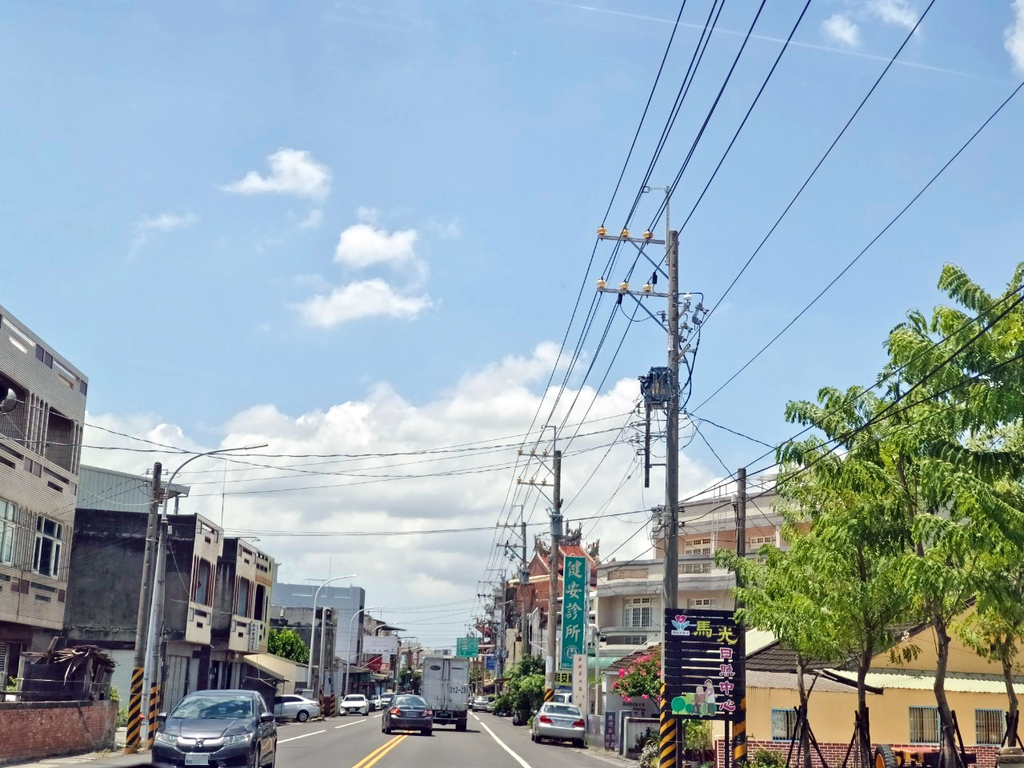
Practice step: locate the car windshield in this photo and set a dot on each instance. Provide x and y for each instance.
(213, 708)
(354, 697)
(562, 709)
(410, 701)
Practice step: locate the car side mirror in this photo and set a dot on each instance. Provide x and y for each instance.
(268, 717)
(161, 718)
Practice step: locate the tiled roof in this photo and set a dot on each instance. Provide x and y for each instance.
(925, 681)
(787, 681)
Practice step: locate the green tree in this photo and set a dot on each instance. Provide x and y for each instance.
(287, 644)
(524, 689)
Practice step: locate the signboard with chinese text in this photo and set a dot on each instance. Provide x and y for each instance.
(574, 610)
(491, 663)
(580, 684)
(703, 677)
(467, 646)
(563, 679)
(386, 645)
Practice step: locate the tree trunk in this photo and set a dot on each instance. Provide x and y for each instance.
(947, 747)
(1008, 681)
(804, 728)
(863, 735)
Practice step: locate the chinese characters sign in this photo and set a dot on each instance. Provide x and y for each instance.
(574, 610)
(702, 669)
(467, 646)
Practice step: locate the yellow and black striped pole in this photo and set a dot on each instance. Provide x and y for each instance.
(668, 734)
(131, 744)
(154, 710)
(739, 735)
(549, 694)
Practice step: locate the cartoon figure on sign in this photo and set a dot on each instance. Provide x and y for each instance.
(710, 705)
(681, 626)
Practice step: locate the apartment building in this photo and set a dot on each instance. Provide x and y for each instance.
(241, 610)
(629, 593)
(42, 408)
(107, 553)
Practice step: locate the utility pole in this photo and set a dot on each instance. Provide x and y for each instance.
(524, 577)
(739, 746)
(133, 737)
(556, 535)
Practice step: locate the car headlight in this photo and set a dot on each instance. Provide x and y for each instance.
(240, 738)
(165, 738)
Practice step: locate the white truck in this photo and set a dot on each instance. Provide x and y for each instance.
(445, 687)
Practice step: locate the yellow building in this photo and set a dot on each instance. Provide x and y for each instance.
(901, 703)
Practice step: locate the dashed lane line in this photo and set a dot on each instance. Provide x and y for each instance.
(296, 738)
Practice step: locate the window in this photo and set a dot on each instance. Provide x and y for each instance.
(8, 527)
(697, 547)
(759, 541)
(989, 726)
(924, 725)
(783, 724)
(242, 598)
(46, 557)
(259, 605)
(637, 612)
(701, 567)
(701, 602)
(203, 583)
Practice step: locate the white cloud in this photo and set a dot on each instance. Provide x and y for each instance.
(367, 215)
(449, 230)
(312, 221)
(165, 222)
(292, 172)
(408, 490)
(359, 300)
(842, 30)
(1015, 36)
(363, 245)
(896, 12)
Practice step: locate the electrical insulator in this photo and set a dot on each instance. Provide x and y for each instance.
(601, 284)
(624, 286)
(648, 235)
(648, 287)
(601, 231)
(625, 233)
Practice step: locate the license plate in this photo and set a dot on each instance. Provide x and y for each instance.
(196, 758)
(563, 722)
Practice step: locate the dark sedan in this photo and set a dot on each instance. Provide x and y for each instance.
(408, 713)
(217, 728)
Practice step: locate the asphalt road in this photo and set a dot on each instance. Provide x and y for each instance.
(357, 742)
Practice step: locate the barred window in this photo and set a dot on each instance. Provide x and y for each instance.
(783, 724)
(46, 555)
(8, 527)
(924, 725)
(989, 726)
(701, 602)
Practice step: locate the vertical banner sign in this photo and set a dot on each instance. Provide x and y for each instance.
(703, 679)
(580, 684)
(574, 610)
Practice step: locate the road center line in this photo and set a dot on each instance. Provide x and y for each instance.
(294, 738)
(503, 745)
(384, 752)
(379, 752)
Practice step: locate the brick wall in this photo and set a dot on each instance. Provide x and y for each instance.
(834, 752)
(37, 729)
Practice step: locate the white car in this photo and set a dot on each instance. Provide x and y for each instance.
(375, 702)
(355, 704)
(295, 708)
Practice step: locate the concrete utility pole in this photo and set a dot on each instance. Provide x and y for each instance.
(556, 534)
(524, 577)
(671, 582)
(133, 736)
(739, 750)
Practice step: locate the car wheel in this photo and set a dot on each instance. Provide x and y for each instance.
(387, 730)
(273, 759)
(303, 716)
(579, 744)
(427, 732)
(366, 713)
(533, 737)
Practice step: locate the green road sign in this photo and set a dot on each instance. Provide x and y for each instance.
(467, 646)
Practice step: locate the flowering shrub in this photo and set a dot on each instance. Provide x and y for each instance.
(642, 680)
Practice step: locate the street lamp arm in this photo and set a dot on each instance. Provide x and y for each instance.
(312, 632)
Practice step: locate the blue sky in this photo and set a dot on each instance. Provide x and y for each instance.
(177, 180)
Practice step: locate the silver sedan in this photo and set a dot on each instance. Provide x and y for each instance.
(561, 722)
(296, 707)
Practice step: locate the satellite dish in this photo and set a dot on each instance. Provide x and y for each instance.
(10, 402)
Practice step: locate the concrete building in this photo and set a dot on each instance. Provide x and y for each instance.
(629, 606)
(241, 611)
(300, 620)
(348, 603)
(107, 553)
(42, 407)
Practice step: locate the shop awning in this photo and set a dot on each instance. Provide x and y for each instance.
(274, 666)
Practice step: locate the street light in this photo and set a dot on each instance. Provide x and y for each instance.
(156, 600)
(312, 638)
(351, 628)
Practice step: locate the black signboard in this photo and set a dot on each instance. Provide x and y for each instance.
(703, 671)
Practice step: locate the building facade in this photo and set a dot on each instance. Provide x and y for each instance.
(348, 603)
(42, 408)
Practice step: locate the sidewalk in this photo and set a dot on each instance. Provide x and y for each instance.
(108, 759)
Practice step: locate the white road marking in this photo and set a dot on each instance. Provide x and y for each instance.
(293, 738)
(503, 745)
(477, 718)
(346, 725)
